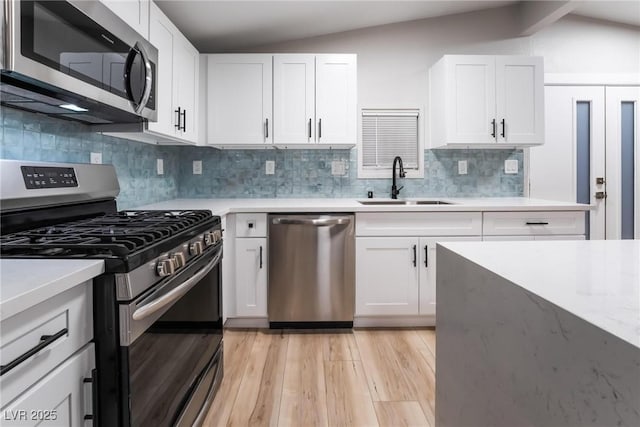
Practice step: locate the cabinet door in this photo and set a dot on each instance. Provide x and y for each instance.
(520, 100)
(251, 277)
(185, 87)
(470, 99)
(133, 12)
(239, 99)
(336, 99)
(386, 276)
(428, 270)
(61, 398)
(161, 35)
(294, 99)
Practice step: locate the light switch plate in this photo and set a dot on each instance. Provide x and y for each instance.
(511, 166)
(197, 167)
(160, 166)
(96, 158)
(338, 168)
(270, 167)
(462, 167)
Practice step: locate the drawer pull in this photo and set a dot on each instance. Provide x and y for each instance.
(537, 223)
(45, 341)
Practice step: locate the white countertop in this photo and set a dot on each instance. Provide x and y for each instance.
(598, 281)
(225, 206)
(27, 282)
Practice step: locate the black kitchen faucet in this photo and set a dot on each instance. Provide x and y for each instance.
(394, 189)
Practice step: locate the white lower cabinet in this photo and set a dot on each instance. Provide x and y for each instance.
(62, 398)
(386, 276)
(251, 277)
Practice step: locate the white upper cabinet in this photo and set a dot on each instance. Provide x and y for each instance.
(336, 99)
(239, 99)
(133, 12)
(294, 99)
(486, 101)
(177, 84)
(314, 100)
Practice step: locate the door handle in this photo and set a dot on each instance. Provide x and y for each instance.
(493, 128)
(309, 128)
(184, 120)
(426, 256)
(45, 341)
(415, 255)
(503, 126)
(601, 195)
(177, 126)
(148, 78)
(319, 128)
(266, 128)
(315, 221)
(260, 256)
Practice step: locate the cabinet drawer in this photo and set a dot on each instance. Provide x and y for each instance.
(532, 223)
(419, 224)
(71, 310)
(61, 398)
(251, 225)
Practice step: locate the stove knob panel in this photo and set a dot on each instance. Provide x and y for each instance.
(165, 267)
(217, 236)
(195, 248)
(178, 259)
(208, 238)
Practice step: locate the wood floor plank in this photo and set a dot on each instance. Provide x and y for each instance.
(400, 414)
(237, 347)
(340, 346)
(417, 372)
(429, 338)
(261, 386)
(382, 366)
(348, 398)
(304, 400)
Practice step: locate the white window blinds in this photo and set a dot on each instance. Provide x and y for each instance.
(387, 134)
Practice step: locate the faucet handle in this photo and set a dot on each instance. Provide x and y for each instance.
(402, 174)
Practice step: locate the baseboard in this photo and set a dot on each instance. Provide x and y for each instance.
(246, 322)
(393, 321)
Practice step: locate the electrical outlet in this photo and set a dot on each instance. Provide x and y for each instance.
(462, 167)
(511, 166)
(160, 166)
(96, 158)
(338, 168)
(197, 167)
(270, 167)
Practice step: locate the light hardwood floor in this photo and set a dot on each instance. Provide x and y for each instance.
(317, 378)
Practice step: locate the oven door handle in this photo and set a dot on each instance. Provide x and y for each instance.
(149, 308)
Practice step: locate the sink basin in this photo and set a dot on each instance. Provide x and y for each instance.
(402, 202)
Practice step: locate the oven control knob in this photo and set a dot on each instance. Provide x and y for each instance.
(195, 248)
(165, 267)
(217, 235)
(209, 238)
(178, 259)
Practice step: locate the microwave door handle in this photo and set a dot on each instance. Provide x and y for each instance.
(154, 305)
(148, 77)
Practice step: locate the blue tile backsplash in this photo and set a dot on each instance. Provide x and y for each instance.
(240, 173)
(307, 173)
(29, 136)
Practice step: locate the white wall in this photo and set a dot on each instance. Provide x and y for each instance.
(393, 60)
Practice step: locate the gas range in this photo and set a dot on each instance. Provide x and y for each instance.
(160, 296)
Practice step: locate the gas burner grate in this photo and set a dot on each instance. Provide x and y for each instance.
(112, 235)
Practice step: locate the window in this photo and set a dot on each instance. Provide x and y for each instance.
(387, 133)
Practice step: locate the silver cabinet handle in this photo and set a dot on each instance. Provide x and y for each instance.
(320, 222)
(149, 308)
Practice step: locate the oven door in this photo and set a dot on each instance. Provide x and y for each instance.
(171, 347)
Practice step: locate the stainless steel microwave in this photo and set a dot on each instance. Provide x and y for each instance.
(76, 60)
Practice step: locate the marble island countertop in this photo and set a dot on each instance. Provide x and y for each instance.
(597, 281)
(27, 282)
(463, 204)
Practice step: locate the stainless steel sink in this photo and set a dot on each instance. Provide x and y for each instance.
(402, 202)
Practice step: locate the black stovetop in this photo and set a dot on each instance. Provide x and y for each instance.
(124, 239)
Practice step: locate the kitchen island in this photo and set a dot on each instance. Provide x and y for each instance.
(538, 333)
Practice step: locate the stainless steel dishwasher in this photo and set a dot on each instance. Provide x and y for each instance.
(311, 270)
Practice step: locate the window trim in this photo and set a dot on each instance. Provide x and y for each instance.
(386, 172)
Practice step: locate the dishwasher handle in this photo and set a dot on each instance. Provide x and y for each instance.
(318, 222)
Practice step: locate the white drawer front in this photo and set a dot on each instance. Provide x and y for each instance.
(419, 224)
(251, 225)
(532, 223)
(60, 399)
(71, 310)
